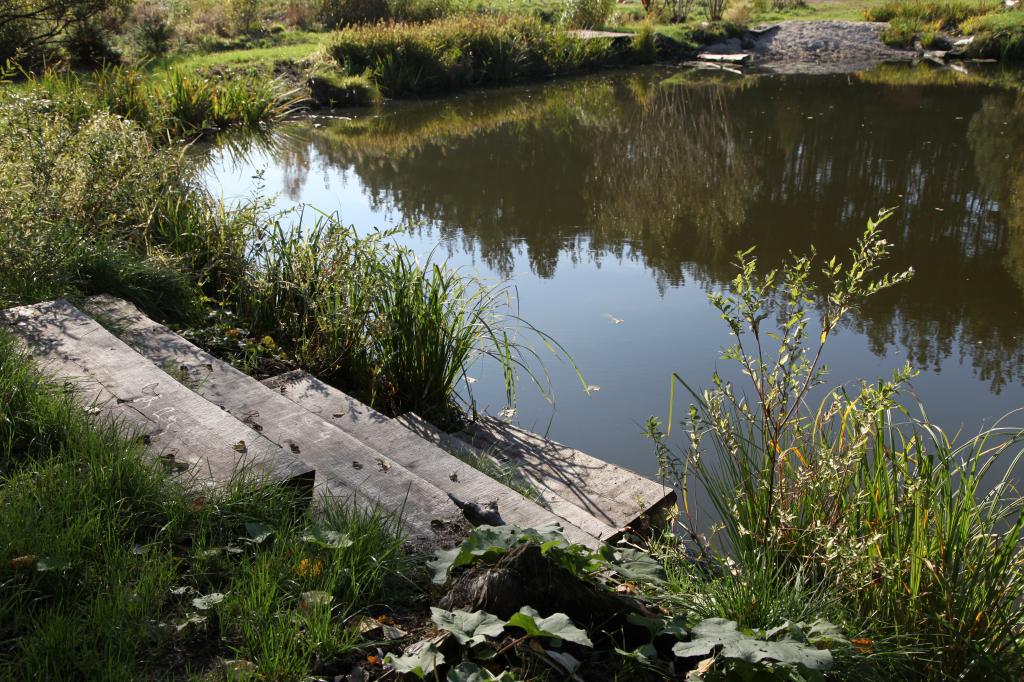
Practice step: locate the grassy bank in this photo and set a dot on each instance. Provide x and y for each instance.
(125, 574)
(94, 205)
(410, 59)
(995, 31)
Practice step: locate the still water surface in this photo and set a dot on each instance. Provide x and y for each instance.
(615, 202)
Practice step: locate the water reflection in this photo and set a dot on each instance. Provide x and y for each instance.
(678, 174)
(673, 172)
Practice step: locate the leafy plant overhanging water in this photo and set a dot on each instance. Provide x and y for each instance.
(852, 506)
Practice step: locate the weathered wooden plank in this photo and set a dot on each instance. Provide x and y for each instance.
(118, 383)
(739, 58)
(590, 34)
(412, 449)
(615, 495)
(559, 507)
(347, 468)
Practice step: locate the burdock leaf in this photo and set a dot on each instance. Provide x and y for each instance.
(557, 626)
(468, 671)
(419, 660)
(331, 539)
(469, 629)
(208, 601)
(258, 532)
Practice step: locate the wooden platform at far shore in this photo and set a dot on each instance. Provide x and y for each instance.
(588, 34)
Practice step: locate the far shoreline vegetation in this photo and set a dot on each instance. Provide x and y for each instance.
(856, 540)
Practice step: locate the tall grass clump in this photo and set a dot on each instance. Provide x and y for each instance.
(408, 59)
(943, 14)
(179, 105)
(111, 569)
(364, 314)
(913, 538)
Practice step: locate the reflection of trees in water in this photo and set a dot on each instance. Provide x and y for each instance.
(680, 176)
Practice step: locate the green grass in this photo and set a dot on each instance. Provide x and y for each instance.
(412, 59)
(102, 555)
(262, 57)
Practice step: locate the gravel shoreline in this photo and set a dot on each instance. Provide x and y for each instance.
(814, 47)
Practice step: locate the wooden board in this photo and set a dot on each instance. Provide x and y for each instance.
(114, 382)
(347, 468)
(616, 496)
(411, 443)
(559, 507)
(739, 58)
(590, 34)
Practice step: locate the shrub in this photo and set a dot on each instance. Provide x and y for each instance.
(715, 9)
(301, 14)
(587, 13)
(31, 30)
(150, 29)
(340, 13)
(739, 14)
(246, 16)
(87, 43)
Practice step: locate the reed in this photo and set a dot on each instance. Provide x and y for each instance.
(914, 537)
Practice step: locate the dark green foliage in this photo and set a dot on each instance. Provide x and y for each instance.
(31, 30)
(330, 89)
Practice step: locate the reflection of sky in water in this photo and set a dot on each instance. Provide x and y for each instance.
(655, 282)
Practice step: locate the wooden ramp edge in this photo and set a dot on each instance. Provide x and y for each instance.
(558, 506)
(421, 454)
(613, 494)
(346, 468)
(192, 436)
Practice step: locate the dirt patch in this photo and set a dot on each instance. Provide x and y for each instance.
(814, 47)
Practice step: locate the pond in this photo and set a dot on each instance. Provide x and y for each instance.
(615, 202)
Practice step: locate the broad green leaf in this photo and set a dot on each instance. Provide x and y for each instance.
(714, 633)
(208, 601)
(258, 532)
(633, 564)
(783, 651)
(660, 626)
(44, 564)
(468, 628)
(824, 632)
(419, 660)
(557, 626)
(484, 542)
(471, 672)
(331, 539)
(312, 599)
(568, 662)
(708, 635)
(644, 654)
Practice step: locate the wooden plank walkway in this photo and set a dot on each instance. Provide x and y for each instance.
(416, 449)
(616, 496)
(346, 467)
(404, 464)
(120, 384)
